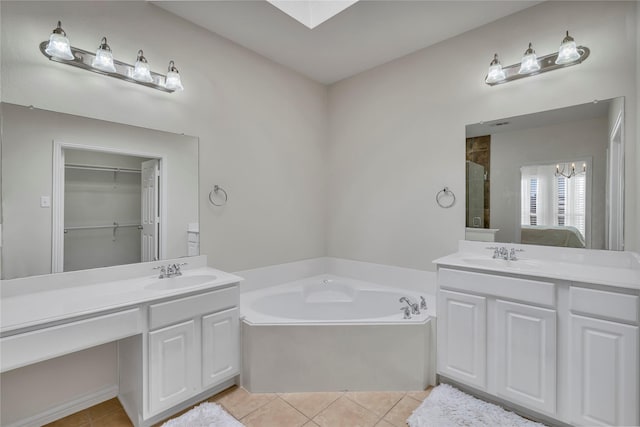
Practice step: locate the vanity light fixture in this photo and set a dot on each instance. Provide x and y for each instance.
(529, 63)
(58, 49)
(104, 58)
(173, 78)
(569, 54)
(572, 170)
(58, 45)
(141, 70)
(495, 73)
(568, 51)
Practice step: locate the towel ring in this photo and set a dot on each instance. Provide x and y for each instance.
(217, 189)
(445, 192)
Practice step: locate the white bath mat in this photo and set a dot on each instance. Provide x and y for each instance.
(206, 414)
(447, 406)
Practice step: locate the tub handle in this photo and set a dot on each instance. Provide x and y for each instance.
(407, 312)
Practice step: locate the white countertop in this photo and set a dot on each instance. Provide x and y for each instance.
(609, 268)
(21, 311)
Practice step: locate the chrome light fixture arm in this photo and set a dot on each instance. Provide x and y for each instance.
(84, 59)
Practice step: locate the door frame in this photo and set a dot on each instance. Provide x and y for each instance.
(614, 213)
(57, 199)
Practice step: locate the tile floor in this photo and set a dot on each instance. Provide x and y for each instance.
(342, 409)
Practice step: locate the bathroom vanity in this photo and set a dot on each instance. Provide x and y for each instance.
(178, 337)
(554, 333)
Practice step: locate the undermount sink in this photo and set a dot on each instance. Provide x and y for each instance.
(499, 262)
(181, 282)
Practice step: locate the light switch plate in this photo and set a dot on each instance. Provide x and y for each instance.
(45, 202)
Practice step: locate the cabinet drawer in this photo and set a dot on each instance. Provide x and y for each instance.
(526, 290)
(42, 344)
(174, 311)
(612, 305)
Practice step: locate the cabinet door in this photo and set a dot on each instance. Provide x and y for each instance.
(526, 355)
(220, 347)
(603, 372)
(172, 365)
(462, 325)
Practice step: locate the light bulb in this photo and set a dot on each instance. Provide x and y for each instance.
(495, 73)
(173, 81)
(141, 70)
(104, 58)
(529, 63)
(568, 51)
(59, 46)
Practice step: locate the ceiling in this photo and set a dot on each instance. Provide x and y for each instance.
(365, 35)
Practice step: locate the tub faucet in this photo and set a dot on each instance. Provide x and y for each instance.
(413, 305)
(407, 312)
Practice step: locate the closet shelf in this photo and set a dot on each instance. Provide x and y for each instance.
(91, 227)
(101, 168)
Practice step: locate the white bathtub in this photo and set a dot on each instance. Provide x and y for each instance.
(327, 333)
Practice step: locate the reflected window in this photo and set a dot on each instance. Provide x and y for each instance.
(550, 200)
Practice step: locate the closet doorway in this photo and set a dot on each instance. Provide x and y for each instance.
(107, 208)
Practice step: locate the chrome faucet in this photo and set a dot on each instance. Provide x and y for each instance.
(504, 253)
(170, 270)
(414, 306)
(407, 312)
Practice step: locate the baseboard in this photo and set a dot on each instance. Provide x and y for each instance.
(67, 408)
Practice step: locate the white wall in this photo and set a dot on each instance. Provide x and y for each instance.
(546, 145)
(261, 126)
(397, 132)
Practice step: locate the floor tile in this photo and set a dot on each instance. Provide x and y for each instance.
(101, 409)
(378, 402)
(276, 413)
(79, 419)
(398, 415)
(114, 419)
(420, 395)
(345, 412)
(384, 423)
(310, 424)
(310, 404)
(239, 402)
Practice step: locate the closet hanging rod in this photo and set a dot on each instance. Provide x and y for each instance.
(91, 227)
(102, 168)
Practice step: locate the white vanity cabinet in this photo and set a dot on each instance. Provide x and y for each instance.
(525, 355)
(220, 346)
(498, 334)
(462, 342)
(172, 363)
(192, 346)
(564, 349)
(603, 353)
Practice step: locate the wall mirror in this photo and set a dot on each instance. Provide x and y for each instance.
(552, 178)
(80, 193)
